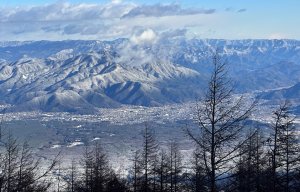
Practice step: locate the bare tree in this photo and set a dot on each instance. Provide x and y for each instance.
(221, 119)
(1, 125)
(198, 172)
(251, 169)
(175, 166)
(149, 158)
(21, 170)
(10, 164)
(137, 171)
(98, 176)
(87, 164)
(163, 171)
(284, 149)
(71, 178)
(100, 169)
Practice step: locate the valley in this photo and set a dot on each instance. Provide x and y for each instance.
(73, 93)
(149, 96)
(118, 129)
(84, 76)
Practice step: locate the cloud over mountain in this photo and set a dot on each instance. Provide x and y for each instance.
(150, 69)
(95, 21)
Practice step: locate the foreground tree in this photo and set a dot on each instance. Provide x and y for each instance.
(175, 167)
(1, 125)
(198, 175)
(169, 168)
(284, 150)
(71, 177)
(251, 168)
(98, 176)
(149, 159)
(20, 170)
(162, 171)
(148, 171)
(136, 172)
(221, 119)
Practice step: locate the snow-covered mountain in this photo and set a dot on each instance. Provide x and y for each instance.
(291, 93)
(278, 96)
(81, 83)
(80, 76)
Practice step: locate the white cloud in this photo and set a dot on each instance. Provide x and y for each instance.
(159, 10)
(97, 21)
(133, 52)
(147, 36)
(65, 12)
(140, 48)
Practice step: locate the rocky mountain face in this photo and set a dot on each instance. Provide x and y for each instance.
(82, 76)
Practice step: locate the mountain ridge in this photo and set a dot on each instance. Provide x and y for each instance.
(81, 76)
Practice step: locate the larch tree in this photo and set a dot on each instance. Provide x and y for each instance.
(284, 150)
(71, 177)
(251, 169)
(21, 169)
(163, 171)
(97, 171)
(198, 172)
(149, 158)
(175, 166)
(136, 171)
(221, 118)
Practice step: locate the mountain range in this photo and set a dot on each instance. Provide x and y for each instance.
(83, 76)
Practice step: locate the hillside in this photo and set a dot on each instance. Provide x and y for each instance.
(81, 76)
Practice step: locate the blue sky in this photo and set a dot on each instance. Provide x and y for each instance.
(103, 19)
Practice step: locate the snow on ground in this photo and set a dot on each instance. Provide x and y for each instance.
(118, 130)
(76, 143)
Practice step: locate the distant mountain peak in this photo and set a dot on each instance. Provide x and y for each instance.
(81, 76)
